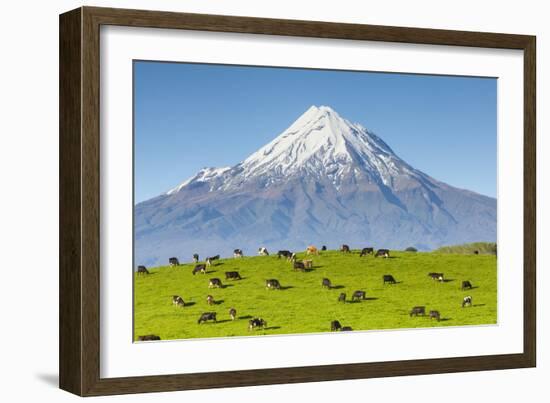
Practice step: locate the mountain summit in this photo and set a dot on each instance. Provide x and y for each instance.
(320, 143)
(323, 180)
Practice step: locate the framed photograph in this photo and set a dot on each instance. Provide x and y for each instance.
(248, 201)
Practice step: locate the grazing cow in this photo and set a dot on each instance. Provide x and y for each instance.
(173, 261)
(232, 313)
(263, 251)
(435, 314)
(206, 317)
(358, 295)
(292, 258)
(346, 329)
(237, 253)
(418, 310)
(466, 285)
(272, 284)
(366, 251)
(211, 259)
(311, 250)
(308, 264)
(232, 275)
(342, 297)
(284, 253)
(210, 300)
(335, 326)
(326, 283)
(388, 278)
(148, 337)
(299, 266)
(142, 270)
(323, 248)
(178, 301)
(345, 249)
(195, 258)
(256, 323)
(382, 253)
(437, 276)
(215, 283)
(467, 301)
(200, 268)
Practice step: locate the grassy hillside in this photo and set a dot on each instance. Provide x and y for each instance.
(303, 306)
(470, 248)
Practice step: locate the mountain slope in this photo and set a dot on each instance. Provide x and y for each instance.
(324, 180)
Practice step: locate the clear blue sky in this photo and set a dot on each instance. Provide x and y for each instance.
(189, 116)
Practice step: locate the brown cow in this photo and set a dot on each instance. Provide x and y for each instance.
(311, 250)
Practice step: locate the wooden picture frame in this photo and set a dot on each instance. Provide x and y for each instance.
(80, 200)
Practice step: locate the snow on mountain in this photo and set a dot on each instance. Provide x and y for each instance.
(324, 180)
(204, 175)
(319, 143)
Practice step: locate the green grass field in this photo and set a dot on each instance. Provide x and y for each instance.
(303, 306)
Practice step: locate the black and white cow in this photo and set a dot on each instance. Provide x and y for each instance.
(437, 276)
(211, 259)
(388, 278)
(238, 253)
(142, 270)
(382, 253)
(335, 326)
(284, 253)
(418, 310)
(358, 295)
(345, 249)
(256, 323)
(272, 284)
(467, 301)
(466, 285)
(232, 275)
(299, 266)
(366, 251)
(206, 317)
(215, 283)
(326, 283)
(173, 261)
(195, 258)
(435, 315)
(200, 268)
(342, 297)
(232, 313)
(148, 337)
(178, 301)
(263, 251)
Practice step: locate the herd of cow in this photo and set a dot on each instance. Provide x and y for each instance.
(303, 265)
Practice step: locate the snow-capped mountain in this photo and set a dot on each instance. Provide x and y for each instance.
(323, 180)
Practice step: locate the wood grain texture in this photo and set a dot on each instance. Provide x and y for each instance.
(530, 202)
(70, 273)
(80, 200)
